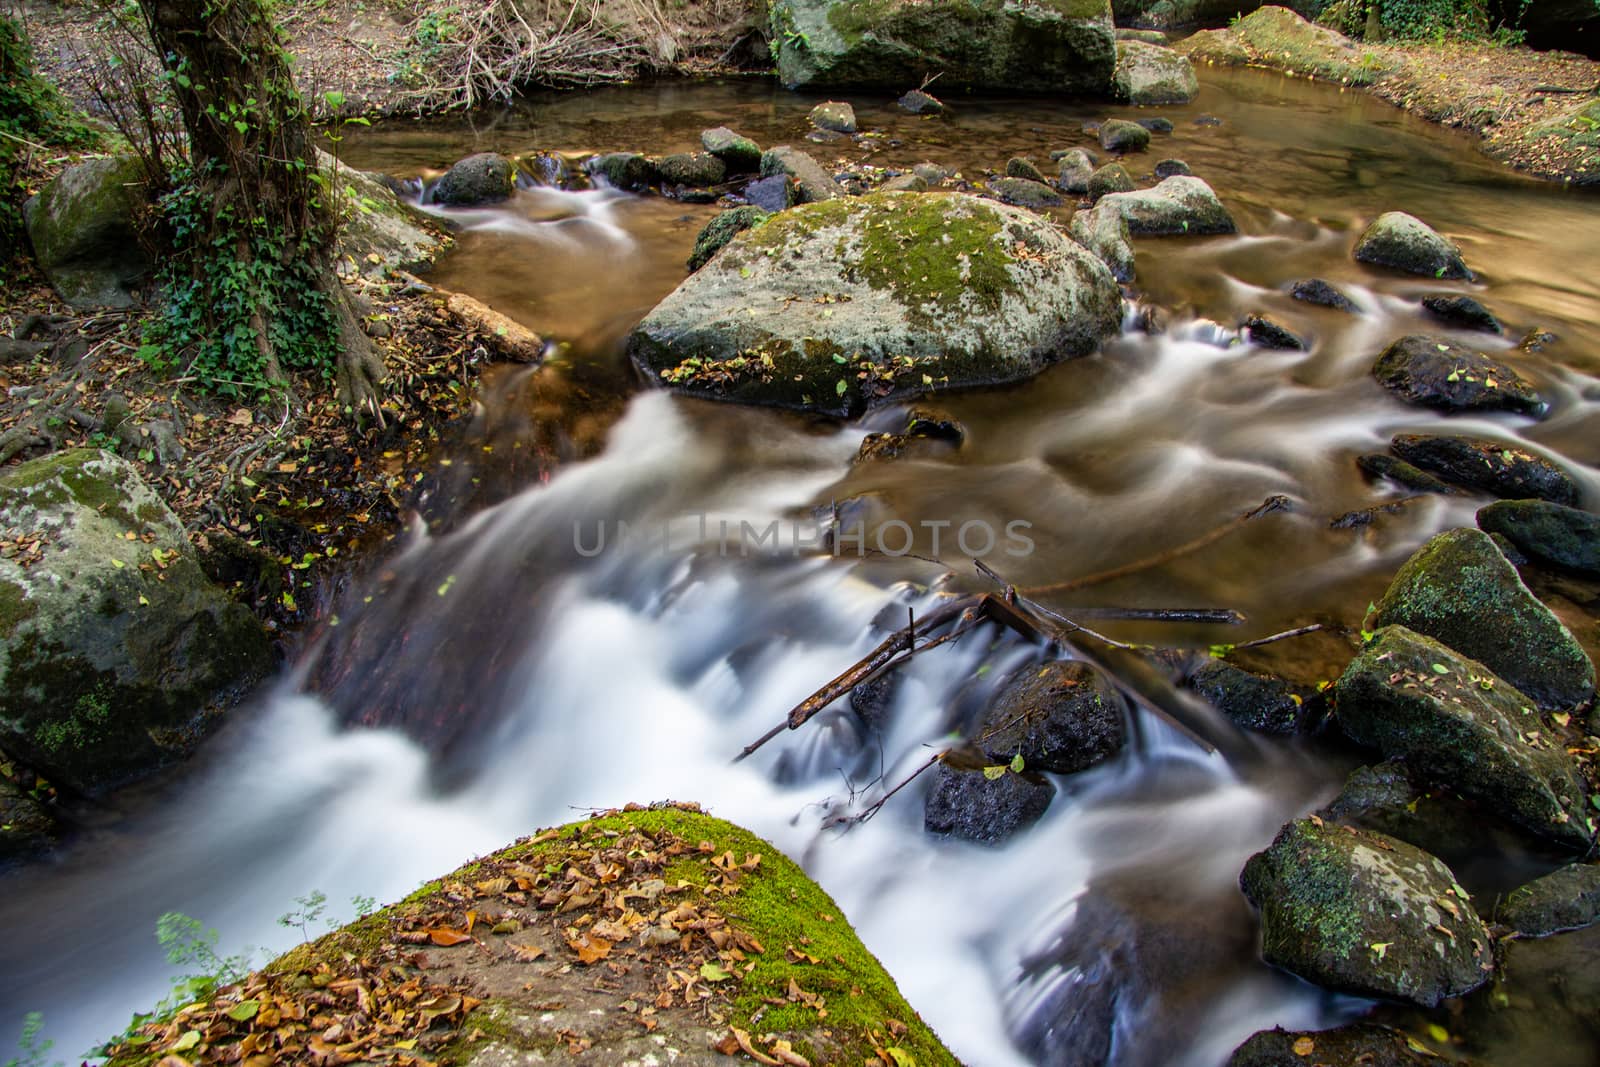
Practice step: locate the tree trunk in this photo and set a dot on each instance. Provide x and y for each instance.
(255, 170)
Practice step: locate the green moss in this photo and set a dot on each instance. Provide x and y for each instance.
(15, 608)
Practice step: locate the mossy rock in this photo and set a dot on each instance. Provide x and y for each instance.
(1565, 899)
(1045, 46)
(1076, 167)
(1433, 372)
(1153, 74)
(1218, 48)
(722, 229)
(696, 170)
(839, 306)
(1576, 129)
(84, 232)
(27, 827)
(1120, 135)
(1280, 38)
(1033, 195)
(1553, 534)
(1461, 726)
(377, 223)
(111, 649)
(483, 178)
(1366, 1044)
(1405, 243)
(1458, 589)
(1358, 912)
(627, 171)
(738, 153)
(1498, 468)
(1462, 312)
(1105, 233)
(720, 939)
(1180, 206)
(1253, 701)
(1111, 178)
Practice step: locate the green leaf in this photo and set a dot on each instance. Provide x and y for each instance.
(711, 972)
(1440, 668)
(334, 98)
(189, 1040)
(1380, 947)
(242, 126)
(994, 773)
(244, 1011)
(117, 563)
(841, 386)
(288, 600)
(1016, 763)
(901, 1057)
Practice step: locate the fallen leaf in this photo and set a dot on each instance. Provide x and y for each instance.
(445, 937)
(1304, 1046)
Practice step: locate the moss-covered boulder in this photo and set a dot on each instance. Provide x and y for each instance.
(1498, 468)
(1362, 913)
(1458, 724)
(1111, 178)
(640, 936)
(628, 171)
(1436, 373)
(113, 644)
(1459, 589)
(84, 234)
(378, 231)
(720, 230)
(1404, 242)
(1044, 46)
(1120, 135)
(694, 170)
(1218, 48)
(1565, 899)
(1153, 74)
(1253, 701)
(482, 178)
(838, 306)
(738, 153)
(1550, 533)
(1363, 1044)
(1024, 192)
(1280, 38)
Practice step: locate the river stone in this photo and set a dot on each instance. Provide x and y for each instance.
(720, 230)
(1061, 717)
(1463, 727)
(968, 804)
(1153, 74)
(1382, 465)
(1075, 170)
(1404, 242)
(1253, 701)
(1183, 205)
(1498, 468)
(483, 178)
(1566, 899)
(1172, 168)
(399, 235)
(106, 667)
(1217, 47)
(1316, 291)
(835, 116)
(696, 170)
(1435, 373)
(1020, 167)
(1363, 1044)
(1059, 47)
(1119, 135)
(1460, 590)
(1111, 178)
(920, 103)
(1105, 233)
(1157, 124)
(628, 171)
(1461, 311)
(905, 183)
(739, 154)
(921, 286)
(1265, 333)
(84, 234)
(1385, 799)
(812, 183)
(1562, 536)
(1329, 894)
(773, 194)
(1025, 193)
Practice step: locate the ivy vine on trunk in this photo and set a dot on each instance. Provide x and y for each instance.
(252, 290)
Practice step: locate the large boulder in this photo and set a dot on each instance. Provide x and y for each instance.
(1362, 913)
(1218, 48)
(1436, 373)
(379, 232)
(483, 178)
(1564, 899)
(1406, 243)
(1550, 533)
(1061, 717)
(1153, 74)
(1460, 590)
(1458, 724)
(1498, 468)
(837, 306)
(1278, 37)
(1045, 46)
(84, 235)
(113, 644)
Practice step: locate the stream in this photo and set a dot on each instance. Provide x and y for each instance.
(495, 675)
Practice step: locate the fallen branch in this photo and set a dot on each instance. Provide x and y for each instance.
(1284, 635)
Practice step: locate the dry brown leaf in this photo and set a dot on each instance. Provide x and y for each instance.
(446, 937)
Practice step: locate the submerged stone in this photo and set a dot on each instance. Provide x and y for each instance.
(1265, 333)
(1550, 533)
(1404, 242)
(1436, 373)
(1498, 468)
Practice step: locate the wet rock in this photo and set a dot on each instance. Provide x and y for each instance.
(720, 230)
(1404, 242)
(1317, 291)
(920, 103)
(696, 170)
(1156, 125)
(1385, 799)
(1020, 167)
(1435, 373)
(1254, 701)
(1119, 135)
(26, 827)
(739, 154)
(1536, 340)
(931, 173)
(1498, 468)
(1362, 913)
(1025, 193)
(1215, 47)
(1361, 518)
(1457, 724)
(827, 137)
(935, 425)
(1265, 333)
(968, 804)
(1171, 168)
(1106, 234)
(1462, 312)
(773, 194)
(812, 182)
(835, 116)
(1111, 178)
(1181, 206)
(1061, 47)
(107, 668)
(483, 178)
(1366, 1044)
(84, 233)
(881, 446)
(628, 171)
(1153, 74)
(1550, 533)
(546, 168)
(1062, 717)
(905, 183)
(1076, 168)
(933, 279)
(873, 701)
(1459, 590)
(1567, 899)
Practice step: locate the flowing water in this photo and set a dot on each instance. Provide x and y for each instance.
(496, 675)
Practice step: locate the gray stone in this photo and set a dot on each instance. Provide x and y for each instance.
(1406, 243)
(1153, 74)
(627, 171)
(835, 116)
(1076, 170)
(1105, 233)
(1317, 291)
(813, 184)
(1020, 167)
(1179, 206)
(1170, 168)
(1381, 465)
(905, 183)
(377, 223)
(920, 103)
(84, 234)
(1111, 178)
(484, 178)
(932, 173)
(1265, 333)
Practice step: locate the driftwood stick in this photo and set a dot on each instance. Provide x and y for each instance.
(1219, 616)
(1298, 631)
(1266, 507)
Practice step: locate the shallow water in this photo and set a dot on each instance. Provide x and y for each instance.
(509, 681)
